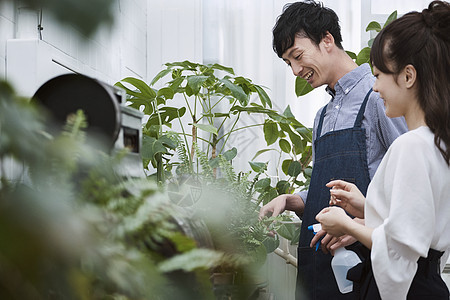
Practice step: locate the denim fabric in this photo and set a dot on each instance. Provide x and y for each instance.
(346, 100)
(340, 154)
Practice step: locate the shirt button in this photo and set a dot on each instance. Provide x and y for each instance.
(346, 90)
(337, 107)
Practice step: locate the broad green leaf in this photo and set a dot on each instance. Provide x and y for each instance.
(262, 184)
(296, 238)
(284, 146)
(306, 133)
(265, 100)
(150, 147)
(142, 86)
(288, 231)
(167, 142)
(370, 43)
(258, 166)
(271, 244)
(128, 91)
(206, 127)
(195, 82)
(295, 168)
(283, 187)
(391, 18)
(288, 113)
(351, 54)
(285, 165)
(373, 26)
(175, 84)
(166, 92)
(195, 259)
(223, 68)
(230, 154)
(302, 87)
(363, 56)
(267, 196)
(270, 132)
(160, 75)
(296, 140)
(236, 91)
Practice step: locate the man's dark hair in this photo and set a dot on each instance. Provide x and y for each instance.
(310, 19)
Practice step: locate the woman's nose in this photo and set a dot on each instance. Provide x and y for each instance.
(375, 86)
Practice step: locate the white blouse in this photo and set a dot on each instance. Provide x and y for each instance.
(408, 205)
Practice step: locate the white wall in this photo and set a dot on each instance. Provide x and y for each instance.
(109, 55)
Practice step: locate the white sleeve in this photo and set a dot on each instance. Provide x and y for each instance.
(406, 233)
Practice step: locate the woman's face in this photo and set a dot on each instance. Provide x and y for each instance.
(392, 91)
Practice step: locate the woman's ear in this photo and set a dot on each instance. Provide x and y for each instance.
(410, 76)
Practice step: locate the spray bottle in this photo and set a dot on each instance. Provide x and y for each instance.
(342, 261)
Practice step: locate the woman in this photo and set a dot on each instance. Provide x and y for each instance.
(407, 210)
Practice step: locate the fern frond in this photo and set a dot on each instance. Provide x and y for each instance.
(207, 171)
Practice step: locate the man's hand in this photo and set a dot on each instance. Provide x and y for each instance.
(347, 196)
(281, 203)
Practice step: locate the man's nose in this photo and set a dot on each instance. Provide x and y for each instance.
(297, 69)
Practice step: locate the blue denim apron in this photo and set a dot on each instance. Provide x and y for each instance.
(339, 154)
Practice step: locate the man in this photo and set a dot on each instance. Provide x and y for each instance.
(350, 135)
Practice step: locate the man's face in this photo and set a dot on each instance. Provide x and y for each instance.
(307, 60)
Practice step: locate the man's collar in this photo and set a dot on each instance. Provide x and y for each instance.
(330, 91)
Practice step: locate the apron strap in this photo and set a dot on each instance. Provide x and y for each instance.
(358, 120)
(319, 127)
(360, 115)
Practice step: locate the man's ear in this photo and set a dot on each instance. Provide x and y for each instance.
(410, 76)
(328, 41)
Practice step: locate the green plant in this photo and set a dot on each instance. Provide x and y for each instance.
(72, 228)
(203, 93)
(302, 87)
(213, 105)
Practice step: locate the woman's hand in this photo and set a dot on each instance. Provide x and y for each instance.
(347, 196)
(334, 220)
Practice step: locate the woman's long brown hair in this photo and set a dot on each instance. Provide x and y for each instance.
(422, 40)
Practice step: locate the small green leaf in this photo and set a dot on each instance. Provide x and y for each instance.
(166, 92)
(285, 165)
(302, 87)
(295, 168)
(261, 152)
(363, 56)
(236, 91)
(160, 75)
(351, 54)
(195, 82)
(258, 166)
(391, 18)
(230, 154)
(271, 244)
(220, 67)
(207, 127)
(373, 26)
(142, 86)
(287, 230)
(270, 132)
(284, 146)
(283, 187)
(262, 184)
(150, 147)
(288, 113)
(265, 100)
